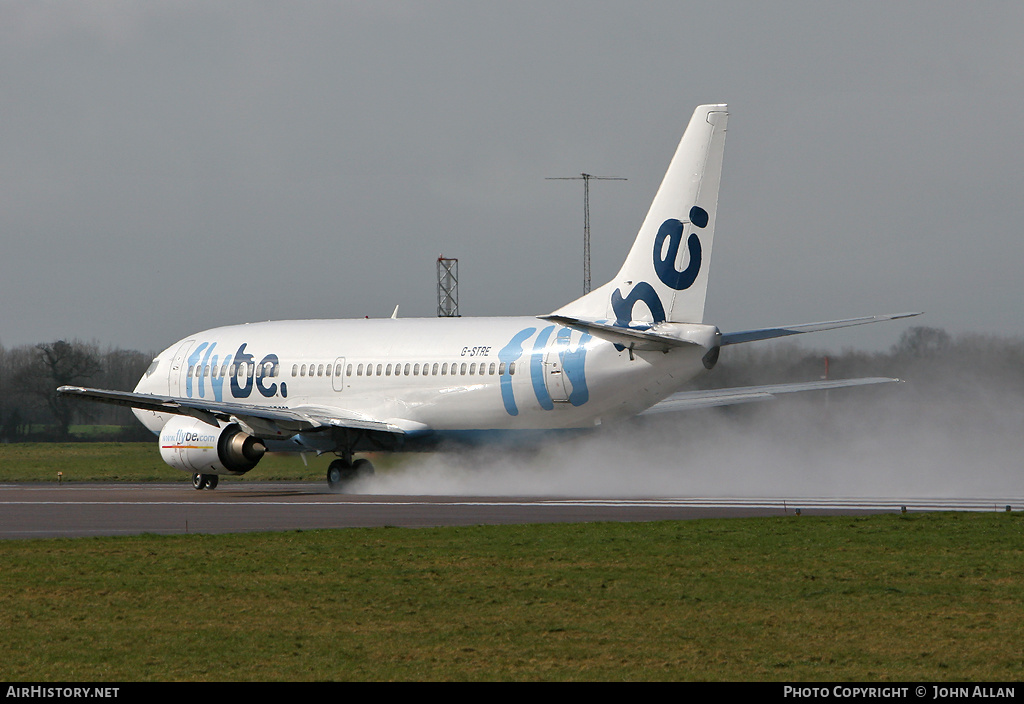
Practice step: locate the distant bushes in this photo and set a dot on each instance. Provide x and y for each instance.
(31, 409)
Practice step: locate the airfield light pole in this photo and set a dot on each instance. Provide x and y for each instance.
(586, 178)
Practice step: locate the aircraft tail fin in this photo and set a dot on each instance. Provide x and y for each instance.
(665, 275)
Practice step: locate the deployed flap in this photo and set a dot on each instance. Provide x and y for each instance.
(282, 421)
(689, 400)
(734, 338)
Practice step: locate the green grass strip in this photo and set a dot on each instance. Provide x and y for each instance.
(903, 598)
(135, 462)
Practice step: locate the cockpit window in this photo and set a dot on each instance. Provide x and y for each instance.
(152, 367)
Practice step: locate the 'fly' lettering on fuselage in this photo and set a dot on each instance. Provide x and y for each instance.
(571, 357)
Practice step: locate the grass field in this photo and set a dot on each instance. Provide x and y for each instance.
(132, 461)
(915, 597)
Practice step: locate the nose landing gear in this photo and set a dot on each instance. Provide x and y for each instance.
(204, 481)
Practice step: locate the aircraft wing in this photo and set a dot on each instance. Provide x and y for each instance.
(689, 400)
(266, 421)
(733, 338)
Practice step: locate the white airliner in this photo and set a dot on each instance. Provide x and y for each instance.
(221, 398)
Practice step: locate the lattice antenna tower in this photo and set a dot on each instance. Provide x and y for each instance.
(447, 288)
(586, 178)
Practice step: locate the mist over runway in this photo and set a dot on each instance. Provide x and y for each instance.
(903, 441)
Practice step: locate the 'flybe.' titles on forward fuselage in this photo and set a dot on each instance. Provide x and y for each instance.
(240, 385)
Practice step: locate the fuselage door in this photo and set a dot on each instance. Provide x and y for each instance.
(554, 373)
(338, 376)
(178, 368)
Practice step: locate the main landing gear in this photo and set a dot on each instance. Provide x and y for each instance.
(342, 473)
(204, 481)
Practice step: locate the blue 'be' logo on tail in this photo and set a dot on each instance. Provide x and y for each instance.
(665, 267)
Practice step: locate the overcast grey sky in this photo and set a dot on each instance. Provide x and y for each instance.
(167, 167)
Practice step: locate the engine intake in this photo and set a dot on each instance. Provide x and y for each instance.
(193, 446)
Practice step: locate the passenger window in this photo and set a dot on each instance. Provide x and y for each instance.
(491, 370)
(434, 370)
(329, 369)
(444, 369)
(320, 370)
(407, 369)
(302, 371)
(359, 370)
(512, 368)
(378, 369)
(462, 370)
(472, 368)
(501, 369)
(348, 370)
(387, 372)
(416, 370)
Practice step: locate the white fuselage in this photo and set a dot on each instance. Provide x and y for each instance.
(438, 374)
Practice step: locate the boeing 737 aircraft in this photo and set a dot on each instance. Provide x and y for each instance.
(221, 398)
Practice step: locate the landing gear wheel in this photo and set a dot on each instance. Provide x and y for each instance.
(363, 468)
(341, 474)
(204, 481)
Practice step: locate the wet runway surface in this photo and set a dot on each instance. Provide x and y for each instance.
(79, 510)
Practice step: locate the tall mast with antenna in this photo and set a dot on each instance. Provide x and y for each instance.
(586, 178)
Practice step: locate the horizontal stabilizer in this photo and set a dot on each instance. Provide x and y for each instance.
(649, 339)
(734, 338)
(690, 400)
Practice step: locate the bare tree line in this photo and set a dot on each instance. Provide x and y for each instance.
(30, 408)
(935, 363)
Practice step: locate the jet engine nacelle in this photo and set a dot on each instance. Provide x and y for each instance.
(193, 446)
